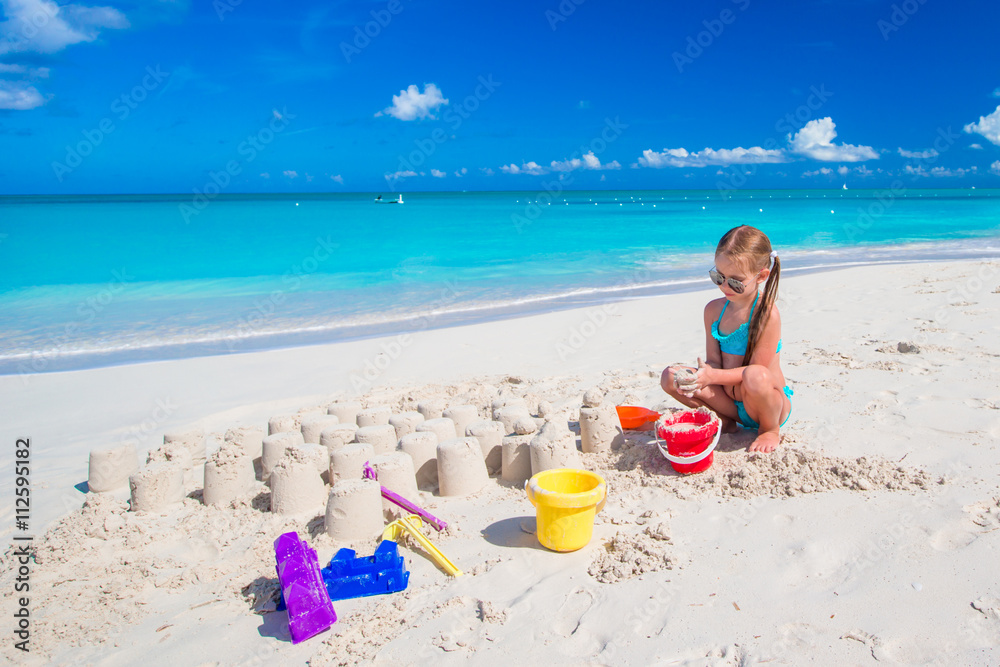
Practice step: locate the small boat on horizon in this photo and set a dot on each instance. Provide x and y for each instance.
(397, 200)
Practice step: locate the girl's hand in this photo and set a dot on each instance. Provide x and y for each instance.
(700, 380)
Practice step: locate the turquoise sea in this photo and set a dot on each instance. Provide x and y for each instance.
(96, 280)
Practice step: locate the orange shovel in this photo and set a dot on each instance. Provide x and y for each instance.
(633, 416)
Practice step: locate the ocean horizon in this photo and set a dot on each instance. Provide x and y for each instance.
(97, 280)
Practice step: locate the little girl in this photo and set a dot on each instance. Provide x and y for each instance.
(741, 376)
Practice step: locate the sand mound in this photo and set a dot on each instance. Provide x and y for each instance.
(790, 471)
(626, 555)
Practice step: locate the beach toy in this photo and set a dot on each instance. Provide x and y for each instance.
(411, 525)
(566, 501)
(687, 438)
(404, 503)
(348, 576)
(633, 416)
(310, 610)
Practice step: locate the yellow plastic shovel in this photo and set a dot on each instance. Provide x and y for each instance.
(411, 524)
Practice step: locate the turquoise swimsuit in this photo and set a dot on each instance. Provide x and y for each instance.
(736, 343)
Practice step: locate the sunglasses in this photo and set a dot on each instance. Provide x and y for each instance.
(718, 279)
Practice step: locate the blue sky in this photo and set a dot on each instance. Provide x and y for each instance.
(158, 96)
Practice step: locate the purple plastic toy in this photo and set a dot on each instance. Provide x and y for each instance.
(404, 503)
(310, 611)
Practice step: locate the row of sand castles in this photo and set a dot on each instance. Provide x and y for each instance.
(302, 454)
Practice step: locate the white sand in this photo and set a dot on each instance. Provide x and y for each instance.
(871, 534)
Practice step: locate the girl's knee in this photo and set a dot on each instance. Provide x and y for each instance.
(667, 381)
(756, 379)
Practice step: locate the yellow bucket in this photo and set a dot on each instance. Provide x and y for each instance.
(566, 501)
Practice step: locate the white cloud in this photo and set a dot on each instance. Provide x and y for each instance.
(462, 172)
(400, 174)
(604, 177)
(995, 168)
(25, 72)
(588, 161)
(265, 175)
(945, 172)
(680, 157)
(864, 171)
(977, 147)
(988, 126)
(920, 155)
(19, 96)
(338, 179)
(822, 171)
(915, 171)
(411, 104)
(815, 140)
(290, 173)
(995, 93)
(486, 170)
(842, 170)
(532, 168)
(42, 26)
(437, 173)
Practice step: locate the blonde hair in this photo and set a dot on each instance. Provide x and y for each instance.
(750, 248)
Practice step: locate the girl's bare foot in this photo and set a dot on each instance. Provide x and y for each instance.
(766, 442)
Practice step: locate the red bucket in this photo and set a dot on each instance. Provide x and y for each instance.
(687, 438)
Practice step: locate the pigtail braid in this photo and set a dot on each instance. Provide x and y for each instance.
(763, 312)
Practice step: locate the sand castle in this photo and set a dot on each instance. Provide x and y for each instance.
(461, 468)
(250, 438)
(194, 440)
(283, 424)
(335, 437)
(156, 487)
(431, 409)
(229, 475)
(395, 472)
(374, 415)
(490, 436)
(599, 427)
(273, 448)
(354, 510)
(314, 426)
(442, 427)
(515, 450)
(421, 447)
(382, 437)
(462, 416)
(110, 468)
(296, 486)
(405, 422)
(348, 462)
(345, 411)
(554, 446)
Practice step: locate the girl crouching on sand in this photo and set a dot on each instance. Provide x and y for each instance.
(741, 376)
